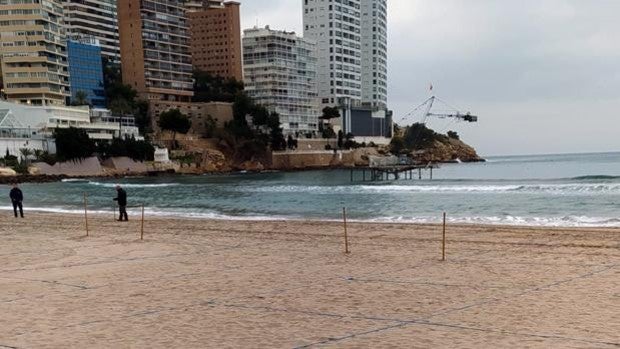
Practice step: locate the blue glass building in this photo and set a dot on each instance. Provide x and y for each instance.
(86, 71)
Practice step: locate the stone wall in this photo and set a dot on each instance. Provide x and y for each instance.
(86, 167)
(125, 165)
(311, 159)
(304, 144)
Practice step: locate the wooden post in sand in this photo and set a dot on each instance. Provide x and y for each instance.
(86, 213)
(142, 225)
(443, 242)
(346, 237)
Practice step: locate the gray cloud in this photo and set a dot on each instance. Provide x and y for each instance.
(542, 74)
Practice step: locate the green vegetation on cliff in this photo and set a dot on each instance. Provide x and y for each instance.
(74, 144)
(424, 144)
(242, 139)
(210, 88)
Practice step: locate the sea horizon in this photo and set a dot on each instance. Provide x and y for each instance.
(484, 156)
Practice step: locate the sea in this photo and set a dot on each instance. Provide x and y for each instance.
(569, 190)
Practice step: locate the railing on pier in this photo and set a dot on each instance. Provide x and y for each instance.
(398, 171)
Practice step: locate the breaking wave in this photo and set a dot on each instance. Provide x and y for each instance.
(133, 185)
(560, 189)
(506, 220)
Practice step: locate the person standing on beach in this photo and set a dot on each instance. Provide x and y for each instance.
(16, 198)
(121, 198)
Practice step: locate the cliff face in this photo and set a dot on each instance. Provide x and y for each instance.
(447, 150)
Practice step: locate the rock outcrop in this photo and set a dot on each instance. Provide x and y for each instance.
(448, 150)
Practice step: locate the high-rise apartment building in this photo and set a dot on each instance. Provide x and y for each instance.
(352, 49)
(336, 27)
(280, 73)
(33, 53)
(86, 71)
(155, 54)
(215, 33)
(374, 52)
(94, 18)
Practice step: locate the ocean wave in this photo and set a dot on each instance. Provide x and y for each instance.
(567, 221)
(74, 180)
(157, 213)
(595, 178)
(567, 189)
(505, 220)
(132, 185)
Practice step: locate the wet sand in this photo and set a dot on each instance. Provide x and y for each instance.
(222, 284)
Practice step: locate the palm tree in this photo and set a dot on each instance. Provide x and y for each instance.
(81, 98)
(25, 152)
(38, 154)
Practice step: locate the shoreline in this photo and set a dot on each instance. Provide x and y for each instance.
(451, 224)
(43, 178)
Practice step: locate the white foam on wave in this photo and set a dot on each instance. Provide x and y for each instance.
(581, 188)
(74, 180)
(132, 185)
(113, 184)
(567, 221)
(507, 220)
(154, 212)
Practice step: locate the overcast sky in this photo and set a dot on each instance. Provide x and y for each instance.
(543, 75)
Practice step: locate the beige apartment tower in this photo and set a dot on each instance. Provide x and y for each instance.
(215, 32)
(33, 55)
(155, 54)
(94, 18)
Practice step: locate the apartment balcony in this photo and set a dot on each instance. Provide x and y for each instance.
(109, 126)
(28, 80)
(17, 69)
(35, 90)
(170, 91)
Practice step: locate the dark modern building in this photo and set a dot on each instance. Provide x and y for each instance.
(368, 124)
(86, 70)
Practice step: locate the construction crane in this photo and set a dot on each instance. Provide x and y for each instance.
(451, 112)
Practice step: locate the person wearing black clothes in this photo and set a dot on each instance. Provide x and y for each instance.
(121, 198)
(16, 198)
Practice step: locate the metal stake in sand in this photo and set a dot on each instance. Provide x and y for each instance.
(443, 243)
(346, 237)
(86, 213)
(142, 225)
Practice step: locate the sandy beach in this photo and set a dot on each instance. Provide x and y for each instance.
(238, 284)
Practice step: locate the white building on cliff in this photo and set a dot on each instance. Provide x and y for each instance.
(27, 126)
(279, 71)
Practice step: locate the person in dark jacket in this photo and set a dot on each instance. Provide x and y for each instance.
(16, 198)
(121, 198)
